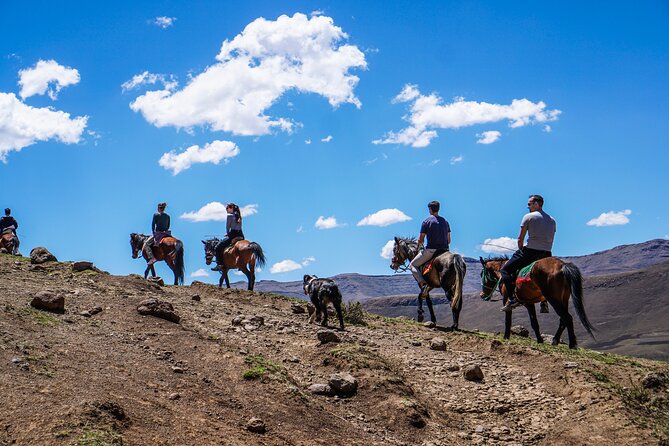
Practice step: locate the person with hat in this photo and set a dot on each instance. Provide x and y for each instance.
(160, 227)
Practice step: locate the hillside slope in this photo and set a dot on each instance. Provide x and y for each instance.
(121, 378)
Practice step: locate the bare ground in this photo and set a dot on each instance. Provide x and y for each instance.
(121, 378)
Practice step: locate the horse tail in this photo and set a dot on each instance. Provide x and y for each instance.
(575, 281)
(256, 249)
(460, 269)
(179, 262)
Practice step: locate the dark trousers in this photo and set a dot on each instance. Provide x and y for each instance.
(225, 242)
(519, 260)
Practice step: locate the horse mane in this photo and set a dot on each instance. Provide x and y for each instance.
(497, 259)
(408, 239)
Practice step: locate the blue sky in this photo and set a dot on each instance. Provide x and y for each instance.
(336, 109)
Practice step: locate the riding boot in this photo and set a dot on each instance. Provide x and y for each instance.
(218, 267)
(543, 307)
(148, 251)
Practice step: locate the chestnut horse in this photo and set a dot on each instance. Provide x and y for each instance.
(243, 256)
(9, 243)
(170, 250)
(550, 279)
(448, 272)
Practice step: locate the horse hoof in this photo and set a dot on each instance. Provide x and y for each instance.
(420, 318)
(555, 343)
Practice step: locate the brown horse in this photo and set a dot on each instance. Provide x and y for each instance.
(550, 279)
(171, 250)
(9, 243)
(448, 272)
(243, 256)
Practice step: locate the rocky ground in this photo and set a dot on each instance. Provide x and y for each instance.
(243, 368)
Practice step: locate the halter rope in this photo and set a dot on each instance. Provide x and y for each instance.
(484, 277)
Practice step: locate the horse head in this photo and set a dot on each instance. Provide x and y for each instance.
(490, 275)
(136, 243)
(403, 250)
(210, 249)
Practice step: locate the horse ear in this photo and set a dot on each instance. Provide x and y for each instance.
(482, 261)
(203, 242)
(397, 240)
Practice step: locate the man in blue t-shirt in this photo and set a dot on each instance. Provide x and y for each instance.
(438, 233)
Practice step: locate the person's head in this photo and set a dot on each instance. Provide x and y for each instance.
(232, 208)
(161, 207)
(535, 202)
(433, 206)
(8, 211)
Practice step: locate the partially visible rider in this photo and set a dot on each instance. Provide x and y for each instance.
(438, 233)
(160, 227)
(9, 224)
(233, 228)
(541, 229)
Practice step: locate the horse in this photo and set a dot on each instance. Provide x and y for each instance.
(9, 242)
(550, 279)
(244, 255)
(170, 250)
(447, 272)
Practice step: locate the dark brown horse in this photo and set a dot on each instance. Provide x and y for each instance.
(550, 279)
(448, 272)
(171, 250)
(9, 243)
(243, 256)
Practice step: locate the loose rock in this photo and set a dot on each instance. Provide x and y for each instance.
(49, 301)
(158, 308)
(256, 425)
(655, 380)
(473, 373)
(41, 255)
(82, 265)
(429, 324)
(343, 383)
(570, 365)
(521, 331)
(320, 389)
(326, 336)
(157, 280)
(438, 344)
(297, 308)
(196, 297)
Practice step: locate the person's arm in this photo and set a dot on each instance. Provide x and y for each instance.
(168, 222)
(448, 238)
(521, 237)
(153, 224)
(421, 238)
(228, 223)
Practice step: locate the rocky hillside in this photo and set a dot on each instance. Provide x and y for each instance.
(242, 368)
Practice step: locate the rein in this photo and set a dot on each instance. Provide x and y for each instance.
(404, 267)
(485, 277)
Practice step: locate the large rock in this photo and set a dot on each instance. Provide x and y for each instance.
(256, 425)
(473, 373)
(82, 265)
(158, 308)
(326, 336)
(41, 255)
(343, 383)
(438, 344)
(49, 301)
(655, 380)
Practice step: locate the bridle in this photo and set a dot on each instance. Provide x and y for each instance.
(485, 278)
(404, 250)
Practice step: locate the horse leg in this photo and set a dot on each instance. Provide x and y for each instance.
(428, 300)
(534, 322)
(153, 271)
(340, 315)
(249, 276)
(220, 281)
(456, 310)
(558, 333)
(146, 272)
(507, 325)
(568, 321)
(420, 317)
(227, 279)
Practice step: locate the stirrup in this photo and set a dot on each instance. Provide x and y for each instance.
(217, 268)
(510, 306)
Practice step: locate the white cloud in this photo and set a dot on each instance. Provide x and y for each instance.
(327, 139)
(147, 78)
(611, 218)
(300, 229)
(387, 250)
(308, 261)
(307, 141)
(215, 211)
(427, 113)
(384, 217)
(488, 137)
(47, 76)
(199, 273)
(548, 128)
(433, 163)
(164, 22)
(457, 159)
(500, 245)
(284, 266)
(22, 125)
(254, 70)
(327, 223)
(212, 152)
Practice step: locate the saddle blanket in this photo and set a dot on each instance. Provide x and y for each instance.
(524, 274)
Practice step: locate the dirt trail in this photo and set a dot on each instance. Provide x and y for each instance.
(121, 378)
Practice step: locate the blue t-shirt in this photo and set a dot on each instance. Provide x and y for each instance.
(436, 228)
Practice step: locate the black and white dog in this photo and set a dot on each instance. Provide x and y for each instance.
(322, 292)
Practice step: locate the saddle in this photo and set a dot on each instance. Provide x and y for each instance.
(427, 267)
(232, 244)
(7, 231)
(158, 236)
(526, 289)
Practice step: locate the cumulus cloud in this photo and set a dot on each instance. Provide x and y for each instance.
(500, 245)
(327, 139)
(327, 223)
(428, 113)
(285, 266)
(384, 217)
(387, 250)
(163, 21)
(215, 211)
(308, 261)
(254, 70)
(611, 218)
(199, 273)
(47, 76)
(307, 141)
(488, 137)
(22, 125)
(457, 159)
(146, 78)
(212, 152)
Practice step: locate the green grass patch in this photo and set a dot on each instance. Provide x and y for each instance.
(599, 376)
(97, 437)
(354, 313)
(261, 368)
(42, 318)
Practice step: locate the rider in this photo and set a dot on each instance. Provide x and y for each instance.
(233, 228)
(9, 223)
(541, 229)
(438, 233)
(160, 227)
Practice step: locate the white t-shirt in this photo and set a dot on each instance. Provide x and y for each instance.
(541, 229)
